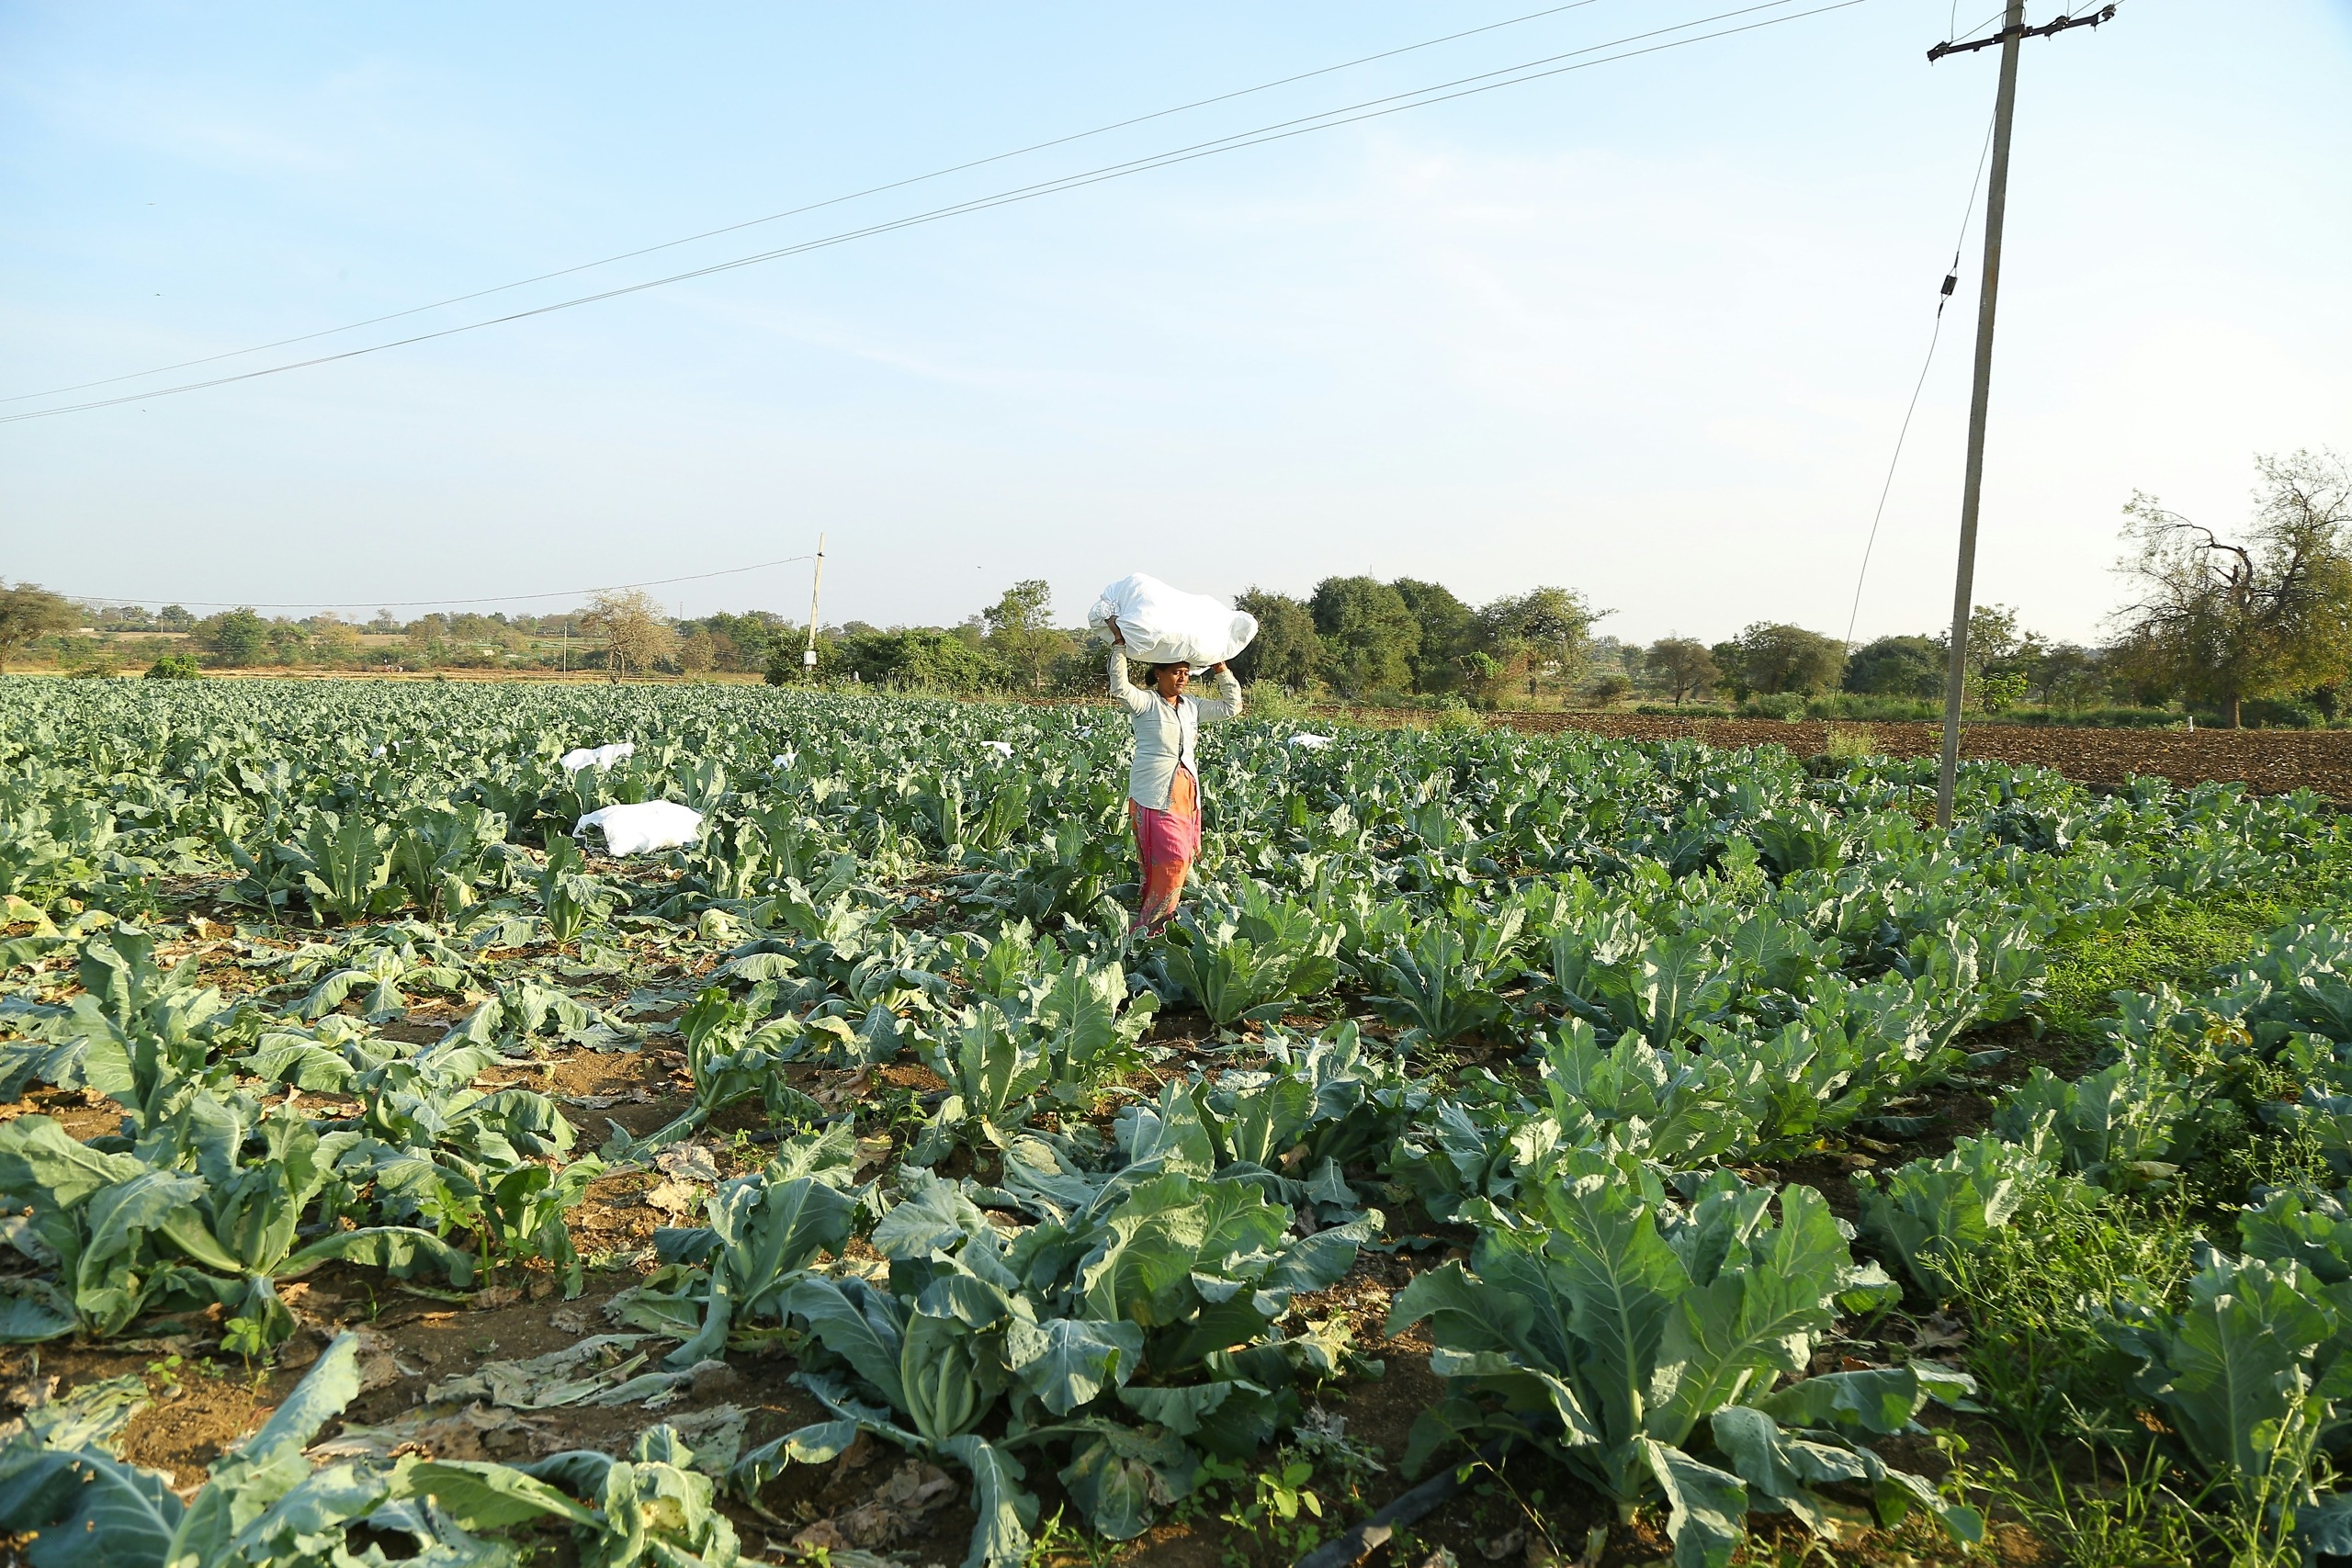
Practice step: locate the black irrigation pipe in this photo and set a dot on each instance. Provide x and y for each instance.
(1354, 1546)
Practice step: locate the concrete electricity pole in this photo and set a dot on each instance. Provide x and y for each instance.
(2013, 33)
(816, 585)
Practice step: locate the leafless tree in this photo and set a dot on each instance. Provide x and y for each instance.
(2268, 614)
(636, 636)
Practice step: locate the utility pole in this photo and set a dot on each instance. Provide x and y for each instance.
(815, 586)
(2013, 33)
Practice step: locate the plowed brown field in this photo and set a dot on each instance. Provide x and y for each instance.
(2270, 761)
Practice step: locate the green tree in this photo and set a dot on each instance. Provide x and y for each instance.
(1449, 630)
(1995, 646)
(1896, 667)
(1020, 632)
(1773, 657)
(1681, 667)
(744, 642)
(334, 642)
(2269, 615)
(289, 642)
(1537, 637)
(1286, 650)
(28, 612)
(1368, 633)
(233, 637)
(920, 656)
(2065, 675)
(785, 667)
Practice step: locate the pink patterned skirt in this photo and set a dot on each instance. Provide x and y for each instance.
(1166, 842)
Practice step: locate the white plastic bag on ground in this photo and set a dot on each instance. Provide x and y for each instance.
(1165, 625)
(596, 756)
(648, 825)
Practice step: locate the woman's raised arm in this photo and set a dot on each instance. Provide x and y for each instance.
(1121, 689)
(1227, 704)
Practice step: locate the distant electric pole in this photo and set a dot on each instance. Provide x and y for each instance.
(816, 585)
(1997, 200)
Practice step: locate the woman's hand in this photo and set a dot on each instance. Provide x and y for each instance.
(1218, 668)
(1118, 638)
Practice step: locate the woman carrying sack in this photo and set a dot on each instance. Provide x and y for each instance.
(1163, 785)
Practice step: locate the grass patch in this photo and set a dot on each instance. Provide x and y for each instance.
(2179, 941)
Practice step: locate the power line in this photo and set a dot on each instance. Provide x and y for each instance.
(815, 205)
(1369, 109)
(1943, 298)
(422, 604)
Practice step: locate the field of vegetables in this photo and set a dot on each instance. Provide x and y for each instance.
(2269, 761)
(1526, 1149)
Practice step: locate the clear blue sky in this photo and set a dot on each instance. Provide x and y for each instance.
(1644, 330)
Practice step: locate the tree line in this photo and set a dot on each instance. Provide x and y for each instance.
(2252, 624)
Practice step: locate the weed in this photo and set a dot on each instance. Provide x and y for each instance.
(2029, 1293)
(1278, 1496)
(246, 1337)
(2124, 1515)
(1057, 1545)
(1321, 1438)
(1849, 742)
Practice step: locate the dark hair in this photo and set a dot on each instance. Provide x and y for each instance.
(1171, 664)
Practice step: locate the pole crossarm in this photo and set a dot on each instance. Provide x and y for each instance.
(2088, 20)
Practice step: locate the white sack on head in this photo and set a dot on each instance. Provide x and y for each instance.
(596, 757)
(648, 825)
(1167, 625)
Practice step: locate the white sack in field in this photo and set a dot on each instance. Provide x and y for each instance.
(1308, 742)
(596, 757)
(1002, 748)
(1166, 626)
(648, 824)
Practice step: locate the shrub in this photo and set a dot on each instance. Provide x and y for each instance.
(174, 667)
(1686, 710)
(2273, 713)
(1849, 742)
(1264, 699)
